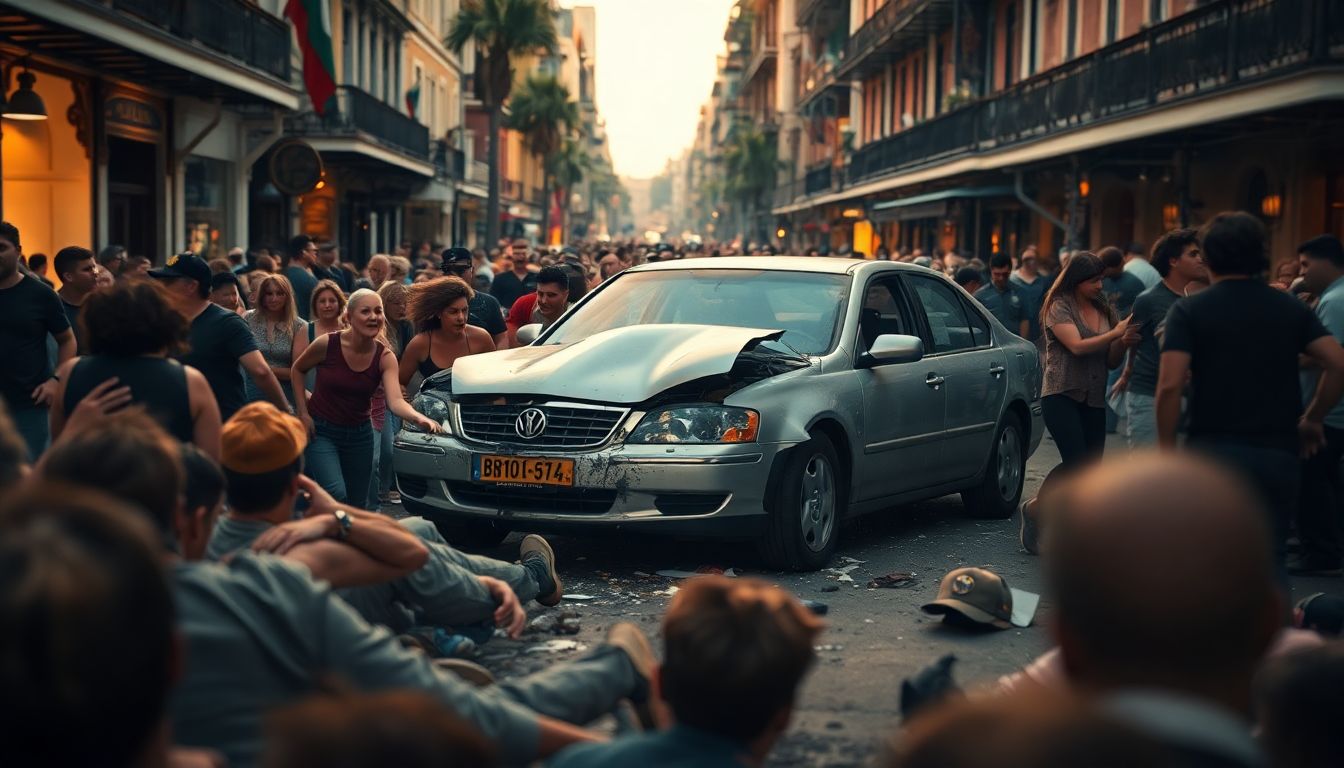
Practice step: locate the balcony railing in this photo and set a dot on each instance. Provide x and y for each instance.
(888, 20)
(818, 179)
(362, 115)
(807, 8)
(234, 28)
(1221, 46)
(761, 56)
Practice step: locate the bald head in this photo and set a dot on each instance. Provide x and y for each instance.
(1161, 568)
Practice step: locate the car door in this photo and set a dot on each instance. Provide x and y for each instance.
(975, 370)
(902, 402)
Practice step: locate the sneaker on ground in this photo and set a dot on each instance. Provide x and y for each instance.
(467, 670)
(635, 644)
(1028, 530)
(534, 546)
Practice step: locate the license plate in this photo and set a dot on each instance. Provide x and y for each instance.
(522, 470)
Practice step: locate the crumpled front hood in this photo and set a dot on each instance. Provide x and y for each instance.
(625, 365)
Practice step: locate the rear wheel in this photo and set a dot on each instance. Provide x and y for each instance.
(805, 510)
(996, 497)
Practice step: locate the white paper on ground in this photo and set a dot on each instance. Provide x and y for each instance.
(1024, 607)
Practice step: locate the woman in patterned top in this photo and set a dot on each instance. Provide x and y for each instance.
(279, 332)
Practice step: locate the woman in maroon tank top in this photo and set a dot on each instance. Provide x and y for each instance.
(351, 365)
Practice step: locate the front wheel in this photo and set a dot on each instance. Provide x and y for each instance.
(805, 511)
(996, 497)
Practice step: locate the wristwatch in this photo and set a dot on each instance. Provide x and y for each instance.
(343, 523)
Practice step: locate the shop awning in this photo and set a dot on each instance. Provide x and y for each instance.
(931, 205)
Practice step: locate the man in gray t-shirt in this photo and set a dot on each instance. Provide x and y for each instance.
(1177, 259)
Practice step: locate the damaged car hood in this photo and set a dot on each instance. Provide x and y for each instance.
(624, 365)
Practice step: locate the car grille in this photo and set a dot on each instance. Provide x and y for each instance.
(584, 501)
(566, 426)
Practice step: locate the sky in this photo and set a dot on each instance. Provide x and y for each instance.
(655, 68)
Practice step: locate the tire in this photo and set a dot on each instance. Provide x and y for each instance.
(460, 533)
(805, 510)
(999, 491)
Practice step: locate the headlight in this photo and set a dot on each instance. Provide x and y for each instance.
(435, 408)
(697, 424)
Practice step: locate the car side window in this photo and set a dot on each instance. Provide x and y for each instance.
(949, 327)
(882, 312)
(979, 325)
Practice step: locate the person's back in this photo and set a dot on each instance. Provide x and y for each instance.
(157, 383)
(219, 338)
(1243, 338)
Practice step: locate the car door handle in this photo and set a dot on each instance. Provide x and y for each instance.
(934, 380)
(996, 370)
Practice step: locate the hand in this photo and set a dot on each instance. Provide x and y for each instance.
(280, 539)
(1119, 330)
(308, 424)
(104, 399)
(1312, 436)
(427, 424)
(46, 392)
(1131, 335)
(510, 615)
(1121, 384)
(319, 501)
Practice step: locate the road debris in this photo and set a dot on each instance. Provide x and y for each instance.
(557, 646)
(830, 588)
(820, 609)
(893, 580)
(580, 598)
(562, 623)
(842, 574)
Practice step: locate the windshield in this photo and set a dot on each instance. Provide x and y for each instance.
(805, 305)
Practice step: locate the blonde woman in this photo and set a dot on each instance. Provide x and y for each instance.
(399, 269)
(351, 365)
(281, 335)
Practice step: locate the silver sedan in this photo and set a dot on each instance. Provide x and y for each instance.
(754, 398)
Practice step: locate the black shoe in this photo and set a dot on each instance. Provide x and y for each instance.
(1028, 530)
(1314, 566)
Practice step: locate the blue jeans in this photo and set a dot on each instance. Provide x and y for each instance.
(340, 459)
(33, 428)
(382, 458)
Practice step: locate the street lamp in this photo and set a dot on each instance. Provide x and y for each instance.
(24, 103)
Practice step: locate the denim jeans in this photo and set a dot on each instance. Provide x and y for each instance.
(31, 422)
(1140, 420)
(1275, 475)
(383, 472)
(340, 459)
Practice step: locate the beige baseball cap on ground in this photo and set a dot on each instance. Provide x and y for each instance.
(983, 597)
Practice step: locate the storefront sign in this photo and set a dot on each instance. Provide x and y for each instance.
(133, 118)
(296, 168)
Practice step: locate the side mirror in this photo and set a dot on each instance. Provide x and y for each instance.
(528, 333)
(890, 348)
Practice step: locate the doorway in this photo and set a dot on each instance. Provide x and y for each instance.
(132, 196)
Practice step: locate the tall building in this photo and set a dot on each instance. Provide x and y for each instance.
(987, 125)
(154, 114)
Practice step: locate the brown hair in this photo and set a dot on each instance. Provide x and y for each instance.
(408, 729)
(735, 651)
(387, 291)
(1081, 267)
(128, 456)
(133, 318)
(425, 301)
(88, 617)
(285, 324)
(325, 285)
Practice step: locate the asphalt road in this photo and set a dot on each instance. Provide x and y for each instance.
(875, 637)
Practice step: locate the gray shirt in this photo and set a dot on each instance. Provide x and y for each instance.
(260, 634)
(303, 283)
(1150, 311)
(1007, 305)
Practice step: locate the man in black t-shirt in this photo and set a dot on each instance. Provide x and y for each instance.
(509, 286)
(1238, 341)
(79, 276)
(328, 267)
(222, 346)
(483, 311)
(29, 312)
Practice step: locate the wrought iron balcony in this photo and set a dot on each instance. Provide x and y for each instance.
(235, 28)
(1220, 47)
(807, 9)
(818, 179)
(359, 114)
(895, 27)
(763, 58)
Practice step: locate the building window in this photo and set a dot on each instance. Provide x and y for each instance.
(205, 197)
(1010, 33)
(1071, 30)
(347, 48)
(1112, 20)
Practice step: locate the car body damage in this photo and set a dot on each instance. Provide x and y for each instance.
(629, 365)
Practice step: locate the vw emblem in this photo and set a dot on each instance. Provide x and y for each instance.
(530, 423)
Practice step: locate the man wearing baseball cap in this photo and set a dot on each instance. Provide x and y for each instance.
(483, 311)
(395, 574)
(222, 346)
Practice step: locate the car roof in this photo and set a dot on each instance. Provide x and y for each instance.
(825, 264)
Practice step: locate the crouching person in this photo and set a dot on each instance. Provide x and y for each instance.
(735, 652)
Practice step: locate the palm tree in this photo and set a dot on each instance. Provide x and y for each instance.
(750, 165)
(541, 111)
(501, 29)
(568, 167)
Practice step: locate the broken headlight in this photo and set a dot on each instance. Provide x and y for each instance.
(434, 407)
(697, 424)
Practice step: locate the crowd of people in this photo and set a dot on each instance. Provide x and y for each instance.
(194, 460)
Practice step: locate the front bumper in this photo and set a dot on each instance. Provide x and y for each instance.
(684, 489)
